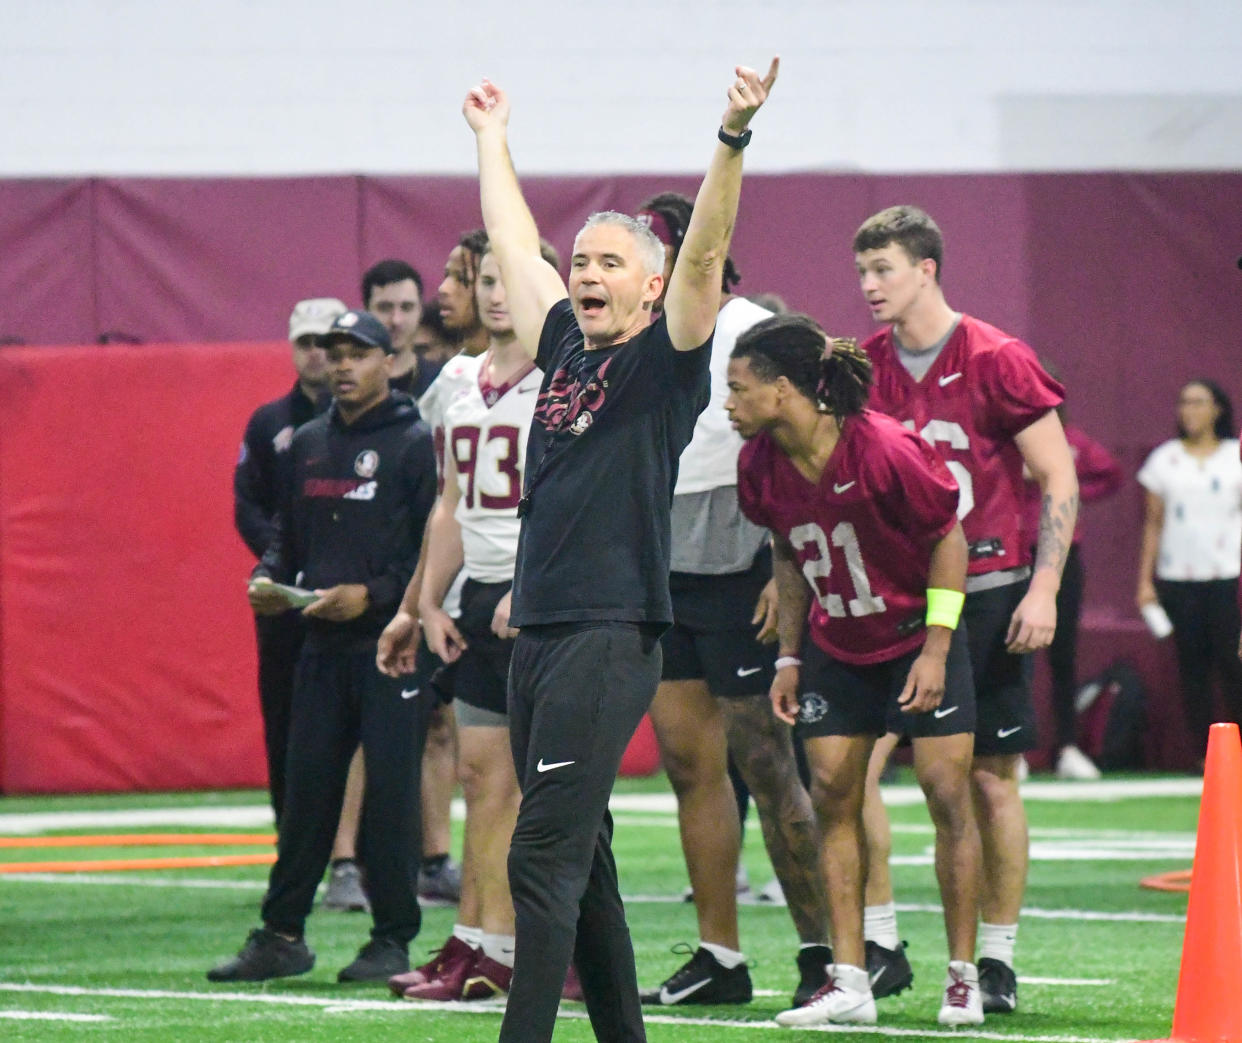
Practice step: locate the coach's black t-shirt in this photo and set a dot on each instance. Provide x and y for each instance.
(601, 464)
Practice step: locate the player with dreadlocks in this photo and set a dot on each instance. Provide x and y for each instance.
(865, 510)
(711, 703)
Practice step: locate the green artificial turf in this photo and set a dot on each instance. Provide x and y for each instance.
(132, 948)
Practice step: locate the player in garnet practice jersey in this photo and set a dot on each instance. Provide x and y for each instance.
(980, 396)
(870, 560)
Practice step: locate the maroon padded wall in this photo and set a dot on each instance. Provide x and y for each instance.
(1127, 281)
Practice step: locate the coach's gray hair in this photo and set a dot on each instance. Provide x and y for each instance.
(650, 249)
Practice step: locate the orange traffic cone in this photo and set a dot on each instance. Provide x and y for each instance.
(1209, 1002)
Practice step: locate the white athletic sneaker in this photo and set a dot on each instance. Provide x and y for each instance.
(844, 999)
(1074, 764)
(963, 1004)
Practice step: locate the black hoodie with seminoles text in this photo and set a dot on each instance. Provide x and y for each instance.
(360, 497)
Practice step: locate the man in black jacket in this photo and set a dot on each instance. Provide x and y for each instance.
(364, 481)
(259, 484)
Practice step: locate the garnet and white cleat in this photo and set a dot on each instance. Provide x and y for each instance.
(844, 999)
(963, 1003)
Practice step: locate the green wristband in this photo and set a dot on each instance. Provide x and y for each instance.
(944, 607)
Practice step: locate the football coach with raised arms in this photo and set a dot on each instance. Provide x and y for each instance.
(618, 403)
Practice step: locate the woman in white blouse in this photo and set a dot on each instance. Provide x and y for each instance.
(1192, 549)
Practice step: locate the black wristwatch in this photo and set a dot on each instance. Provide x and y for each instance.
(737, 141)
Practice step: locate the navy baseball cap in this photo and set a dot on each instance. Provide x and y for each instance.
(361, 327)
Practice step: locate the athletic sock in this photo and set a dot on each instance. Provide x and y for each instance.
(880, 925)
(472, 936)
(851, 977)
(499, 947)
(727, 958)
(997, 941)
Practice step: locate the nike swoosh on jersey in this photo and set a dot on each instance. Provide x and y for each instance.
(945, 381)
(944, 711)
(746, 673)
(541, 767)
(842, 488)
(670, 999)
(1004, 733)
(409, 693)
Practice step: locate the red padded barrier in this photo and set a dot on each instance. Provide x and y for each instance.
(126, 645)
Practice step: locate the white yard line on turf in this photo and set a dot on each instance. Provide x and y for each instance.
(259, 816)
(47, 1015)
(127, 879)
(343, 1006)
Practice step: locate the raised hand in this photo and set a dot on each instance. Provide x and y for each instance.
(746, 94)
(486, 105)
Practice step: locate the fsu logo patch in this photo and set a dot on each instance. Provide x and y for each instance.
(367, 463)
(812, 707)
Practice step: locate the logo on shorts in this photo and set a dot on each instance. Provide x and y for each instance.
(742, 672)
(408, 693)
(541, 767)
(1004, 733)
(812, 707)
(944, 711)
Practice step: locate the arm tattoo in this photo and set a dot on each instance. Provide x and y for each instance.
(1056, 532)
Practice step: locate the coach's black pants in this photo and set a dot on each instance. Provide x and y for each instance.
(576, 695)
(280, 642)
(340, 699)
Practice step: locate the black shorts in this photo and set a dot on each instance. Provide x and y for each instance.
(712, 637)
(1006, 717)
(480, 677)
(839, 698)
(1002, 681)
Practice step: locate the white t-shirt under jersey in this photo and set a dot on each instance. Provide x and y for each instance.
(1202, 534)
(710, 460)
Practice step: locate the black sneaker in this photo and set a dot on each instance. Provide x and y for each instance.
(813, 963)
(378, 960)
(701, 980)
(265, 955)
(889, 970)
(998, 985)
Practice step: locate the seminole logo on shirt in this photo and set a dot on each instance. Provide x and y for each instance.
(568, 403)
(339, 489)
